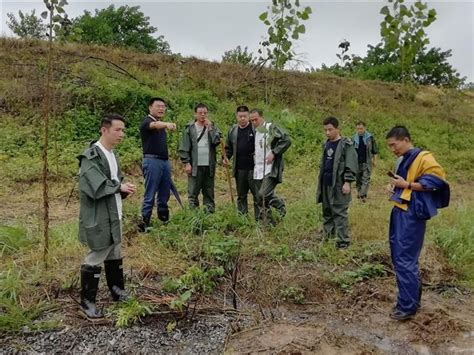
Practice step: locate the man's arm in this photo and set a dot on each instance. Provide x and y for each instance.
(281, 138)
(184, 149)
(229, 145)
(375, 151)
(214, 135)
(94, 183)
(350, 163)
(162, 125)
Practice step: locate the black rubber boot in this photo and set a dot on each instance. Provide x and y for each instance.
(164, 216)
(90, 276)
(143, 225)
(115, 281)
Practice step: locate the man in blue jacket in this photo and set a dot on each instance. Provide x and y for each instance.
(418, 188)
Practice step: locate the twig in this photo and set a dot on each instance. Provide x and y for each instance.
(246, 330)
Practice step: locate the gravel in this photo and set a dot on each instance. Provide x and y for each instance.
(201, 336)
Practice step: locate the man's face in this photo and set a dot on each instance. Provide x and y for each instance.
(201, 114)
(157, 109)
(114, 134)
(242, 119)
(331, 132)
(256, 119)
(399, 146)
(360, 129)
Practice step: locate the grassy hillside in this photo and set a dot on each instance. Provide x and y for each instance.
(195, 252)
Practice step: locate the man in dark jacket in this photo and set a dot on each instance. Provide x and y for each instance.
(271, 142)
(156, 166)
(197, 151)
(366, 148)
(101, 193)
(337, 171)
(240, 145)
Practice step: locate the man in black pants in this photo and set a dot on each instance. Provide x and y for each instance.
(156, 166)
(241, 145)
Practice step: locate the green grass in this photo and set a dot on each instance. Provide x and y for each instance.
(196, 252)
(457, 243)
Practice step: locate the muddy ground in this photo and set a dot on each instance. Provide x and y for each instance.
(329, 322)
(355, 323)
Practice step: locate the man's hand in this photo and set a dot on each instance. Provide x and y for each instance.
(208, 124)
(389, 189)
(171, 126)
(374, 163)
(270, 158)
(189, 169)
(346, 188)
(398, 181)
(225, 161)
(128, 188)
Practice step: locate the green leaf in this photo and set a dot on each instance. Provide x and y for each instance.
(44, 14)
(57, 18)
(420, 6)
(301, 29)
(384, 10)
(59, 9)
(263, 16)
(308, 10)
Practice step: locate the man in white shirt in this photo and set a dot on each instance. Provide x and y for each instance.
(101, 192)
(271, 142)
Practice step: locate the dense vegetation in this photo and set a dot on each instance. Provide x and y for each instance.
(197, 253)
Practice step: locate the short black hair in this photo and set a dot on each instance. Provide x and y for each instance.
(331, 120)
(360, 123)
(399, 133)
(108, 118)
(242, 108)
(257, 110)
(153, 99)
(200, 105)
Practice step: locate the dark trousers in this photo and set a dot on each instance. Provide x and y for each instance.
(266, 199)
(157, 174)
(335, 217)
(245, 183)
(363, 180)
(201, 183)
(406, 236)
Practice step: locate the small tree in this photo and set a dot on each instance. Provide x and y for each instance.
(125, 26)
(283, 19)
(403, 31)
(27, 25)
(238, 56)
(343, 56)
(54, 10)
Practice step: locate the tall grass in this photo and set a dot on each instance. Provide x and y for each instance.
(193, 243)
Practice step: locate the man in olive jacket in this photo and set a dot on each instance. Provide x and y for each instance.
(337, 171)
(366, 148)
(240, 145)
(101, 192)
(271, 142)
(197, 151)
